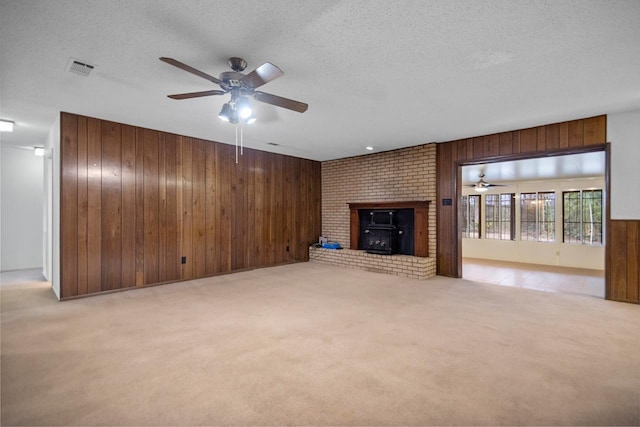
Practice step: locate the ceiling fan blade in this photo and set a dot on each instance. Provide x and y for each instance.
(262, 75)
(497, 185)
(279, 101)
(196, 94)
(191, 70)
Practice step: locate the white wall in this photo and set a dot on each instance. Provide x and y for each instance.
(52, 208)
(22, 192)
(623, 132)
(546, 253)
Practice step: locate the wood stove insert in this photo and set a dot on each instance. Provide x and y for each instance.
(390, 227)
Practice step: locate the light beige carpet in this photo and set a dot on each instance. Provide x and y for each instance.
(309, 344)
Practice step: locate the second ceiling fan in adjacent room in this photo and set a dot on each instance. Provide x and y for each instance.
(481, 185)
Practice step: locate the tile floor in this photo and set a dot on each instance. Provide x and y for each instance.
(532, 276)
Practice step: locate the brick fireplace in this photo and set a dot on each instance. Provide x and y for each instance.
(398, 176)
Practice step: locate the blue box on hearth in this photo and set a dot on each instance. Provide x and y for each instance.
(331, 245)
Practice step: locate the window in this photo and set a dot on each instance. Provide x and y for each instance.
(538, 217)
(582, 217)
(529, 217)
(492, 216)
(592, 217)
(500, 214)
(470, 207)
(547, 217)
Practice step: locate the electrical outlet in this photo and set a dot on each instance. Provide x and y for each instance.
(287, 248)
(183, 260)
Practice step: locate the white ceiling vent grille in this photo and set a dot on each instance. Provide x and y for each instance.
(82, 68)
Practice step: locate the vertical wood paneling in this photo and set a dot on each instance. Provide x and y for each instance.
(162, 209)
(210, 209)
(541, 139)
(214, 193)
(247, 205)
(225, 168)
(618, 260)
(111, 206)
(506, 143)
(198, 231)
(552, 137)
(576, 133)
(69, 206)
(249, 163)
(278, 219)
(237, 214)
(316, 194)
(83, 207)
(515, 143)
(421, 221)
(478, 148)
(468, 148)
(270, 209)
(624, 260)
(287, 170)
(595, 130)
(94, 211)
(259, 209)
(446, 247)
(171, 231)
(528, 140)
(139, 223)
(493, 146)
(187, 208)
(564, 134)
(633, 258)
(179, 205)
(128, 206)
(134, 201)
(299, 245)
(151, 150)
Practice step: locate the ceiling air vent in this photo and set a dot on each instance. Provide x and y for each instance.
(80, 67)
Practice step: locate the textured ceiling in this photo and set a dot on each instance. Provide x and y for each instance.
(379, 73)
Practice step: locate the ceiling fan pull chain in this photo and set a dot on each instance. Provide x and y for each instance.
(236, 144)
(241, 141)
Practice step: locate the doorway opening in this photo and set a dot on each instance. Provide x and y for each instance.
(536, 223)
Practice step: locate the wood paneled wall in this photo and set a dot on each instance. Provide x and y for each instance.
(572, 136)
(135, 201)
(623, 261)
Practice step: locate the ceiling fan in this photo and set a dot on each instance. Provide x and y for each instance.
(481, 185)
(241, 87)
